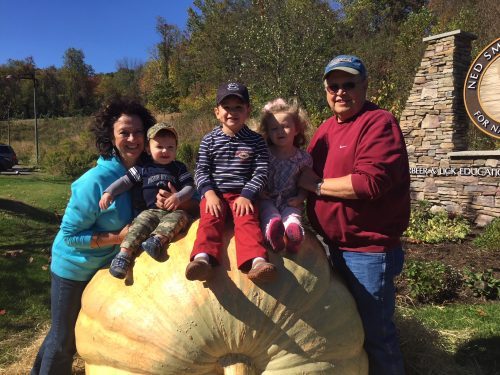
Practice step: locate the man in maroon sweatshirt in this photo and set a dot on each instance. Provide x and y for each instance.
(361, 202)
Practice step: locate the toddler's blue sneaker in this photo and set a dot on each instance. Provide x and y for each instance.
(154, 248)
(120, 265)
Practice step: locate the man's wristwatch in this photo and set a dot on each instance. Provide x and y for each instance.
(318, 187)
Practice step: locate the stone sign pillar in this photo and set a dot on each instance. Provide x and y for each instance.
(435, 124)
(434, 120)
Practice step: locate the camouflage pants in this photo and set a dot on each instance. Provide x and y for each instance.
(155, 221)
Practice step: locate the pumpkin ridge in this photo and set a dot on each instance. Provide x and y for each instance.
(304, 322)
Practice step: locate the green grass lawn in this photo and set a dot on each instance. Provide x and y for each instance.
(450, 339)
(30, 208)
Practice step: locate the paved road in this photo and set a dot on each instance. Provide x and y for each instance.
(18, 170)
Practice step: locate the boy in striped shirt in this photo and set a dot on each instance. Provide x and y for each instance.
(231, 171)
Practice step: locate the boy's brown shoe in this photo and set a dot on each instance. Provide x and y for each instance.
(262, 272)
(198, 270)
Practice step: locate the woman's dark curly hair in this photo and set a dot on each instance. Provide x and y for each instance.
(109, 114)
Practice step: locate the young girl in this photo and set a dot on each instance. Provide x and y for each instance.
(283, 125)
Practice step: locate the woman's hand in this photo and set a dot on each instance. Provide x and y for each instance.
(105, 239)
(242, 206)
(123, 233)
(164, 198)
(168, 200)
(105, 201)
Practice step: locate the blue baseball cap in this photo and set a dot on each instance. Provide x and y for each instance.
(347, 63)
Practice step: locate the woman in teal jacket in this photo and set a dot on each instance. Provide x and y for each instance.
(88, 238)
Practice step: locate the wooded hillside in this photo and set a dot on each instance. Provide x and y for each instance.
(278, 48)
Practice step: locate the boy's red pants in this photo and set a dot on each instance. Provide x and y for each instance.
(248, 236)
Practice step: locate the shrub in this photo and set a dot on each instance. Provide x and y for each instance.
(429, 227)
(69, 159)
(489, 239)
(191, 127)
(431, 281)
(482, 284)
(187, 154)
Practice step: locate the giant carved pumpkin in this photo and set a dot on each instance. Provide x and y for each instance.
(305, 322)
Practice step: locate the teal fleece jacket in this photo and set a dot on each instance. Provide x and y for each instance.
(72, 257)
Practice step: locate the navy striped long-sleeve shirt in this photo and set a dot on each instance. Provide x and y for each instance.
(232, 164)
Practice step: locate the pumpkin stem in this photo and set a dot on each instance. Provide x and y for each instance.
(236, 364)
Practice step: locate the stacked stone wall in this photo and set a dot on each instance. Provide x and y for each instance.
(468, 186)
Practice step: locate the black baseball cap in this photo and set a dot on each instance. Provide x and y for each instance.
(232, 89)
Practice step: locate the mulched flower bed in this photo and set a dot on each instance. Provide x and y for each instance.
(459, 256)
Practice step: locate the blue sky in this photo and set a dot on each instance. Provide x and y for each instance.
(105, 30)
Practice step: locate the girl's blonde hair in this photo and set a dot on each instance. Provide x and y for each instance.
(298, 114)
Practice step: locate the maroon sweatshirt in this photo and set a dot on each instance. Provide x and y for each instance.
(370, 146)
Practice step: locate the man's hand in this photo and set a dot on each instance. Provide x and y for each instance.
(213, 204)
(242, 206)
(105, 201)
(308, 179)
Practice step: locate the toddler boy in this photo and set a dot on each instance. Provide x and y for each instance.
(161, 226)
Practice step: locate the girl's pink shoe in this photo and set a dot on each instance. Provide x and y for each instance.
(295, 237)
(275, 233)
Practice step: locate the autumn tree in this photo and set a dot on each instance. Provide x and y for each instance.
(77, 77)
(157, 83)
(16, 95)
(122, 83)
(276, 48)
(213, 50)
(477, 17)
(285, 46)
(50, 92)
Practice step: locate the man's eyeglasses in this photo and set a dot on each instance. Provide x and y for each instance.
(346, 86)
